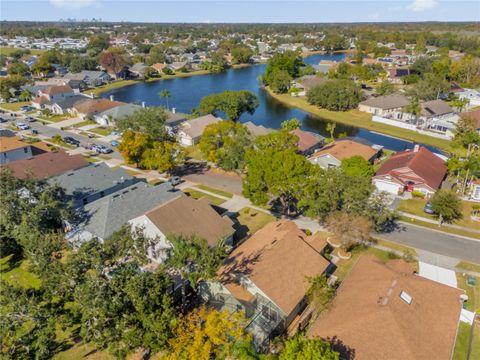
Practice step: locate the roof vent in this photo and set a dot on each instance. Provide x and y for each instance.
(406, 297)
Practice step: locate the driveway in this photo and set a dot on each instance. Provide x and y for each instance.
(201, 174)
(438, 274)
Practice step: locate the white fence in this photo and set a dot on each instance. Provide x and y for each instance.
(403, 125)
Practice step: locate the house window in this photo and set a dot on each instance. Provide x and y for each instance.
(85, 201)
(25, 150)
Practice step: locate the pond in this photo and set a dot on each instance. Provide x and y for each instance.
(186, 94)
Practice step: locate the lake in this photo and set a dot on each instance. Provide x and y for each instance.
(186, 94)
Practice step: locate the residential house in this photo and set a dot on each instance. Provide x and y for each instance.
(52, 94)
(101, 218)
(112, 115)
(178, 65)
(438, 115)
(138, 70)
(185, 217)
(174, 120)
(472, 95)
(65, 105)
(386, 311)
(475, 190)
(266, 276)
(411, 170)
(190, 132)
(331, 155)
(191, 58)
(308, 142)
(306, 83)
(46, 165)
(91, 108)
(396, 75)
(474, 116)
(324, 66)
(159, 67)
(92, 78)
(257, 130)
(389, 106)
(90, 183)
(12, 149)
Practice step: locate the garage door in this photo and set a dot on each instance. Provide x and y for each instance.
(389, 187)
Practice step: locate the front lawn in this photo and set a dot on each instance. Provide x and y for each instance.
(194, 152)
(253, 220)
(84, 123)
(15, 106)
(102, 130)
(215, 191)
(461, 344)
(446, 229)
(473, 292)
(54, 118)
(198, 195)
(15, 272)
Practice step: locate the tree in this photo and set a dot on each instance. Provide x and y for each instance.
(232, 103)
(466, 132)
(26, 95)
(18, 68)
(148, 120)
(241, 54)
(349, 229)
(80, 63)
(165, 94)
(279, 81)
(336, 95)
(447, 206)
(210, 334)
(357, 166)
(133, 146)
(162, 156)
(460, 104)
(301, 348)
(413, 108)
(430, 88)
(466, 71)
(280, 68)
(98, 42)
(225, 143)
(320, 293)
(385, 88)
(194, 260)
(330, 127)
(292, 124)
(113, 60)
(42, 68)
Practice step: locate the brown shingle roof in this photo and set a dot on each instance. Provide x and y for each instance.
(11, 143)
(306, 139)
(46, 165)
(95, 106)
(435, 108)
(343, 149)
(57, 90)
(187, 217)
(370, 319)
(278, 260)
(474, 115)
(423, 163)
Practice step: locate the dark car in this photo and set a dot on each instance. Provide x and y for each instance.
(428, 208)
(175, 180)
(71, 141)
(29, 119)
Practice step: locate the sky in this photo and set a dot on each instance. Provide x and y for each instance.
(235, 11)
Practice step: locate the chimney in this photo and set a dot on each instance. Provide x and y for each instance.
(415, 148)
(143, 104)
(173, 110)
(111, 97)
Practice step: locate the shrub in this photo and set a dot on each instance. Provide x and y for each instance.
(308, 232)
(418, 194)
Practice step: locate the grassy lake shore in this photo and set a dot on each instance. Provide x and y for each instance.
(360, 119)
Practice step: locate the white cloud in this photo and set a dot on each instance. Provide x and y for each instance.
(72, 4)
(421, 5)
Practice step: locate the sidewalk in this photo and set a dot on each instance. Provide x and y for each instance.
(421, 218)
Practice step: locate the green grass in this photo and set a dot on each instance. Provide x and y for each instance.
(7, 50)
(473, 292)
(111, 86)
(198, 195)
(449, 230)
(84, 123)
(395, 246)
(461, 344)
(253, 220)
(54, 118)
(194, 152)
(102, 130)
(15, 106)
(415, 206)
(62, 143)
(465, 265)
(215, 191)
(155, 182)
(16, 273)
(360, 119)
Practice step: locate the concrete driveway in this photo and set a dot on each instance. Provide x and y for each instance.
(438, 274)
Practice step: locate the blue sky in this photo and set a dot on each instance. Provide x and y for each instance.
(242, 11)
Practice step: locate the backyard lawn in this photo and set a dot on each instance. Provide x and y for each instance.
(7, 50)
(15, 106)
(16, 273)
(198, 195)
(253, 220)
(461, 345)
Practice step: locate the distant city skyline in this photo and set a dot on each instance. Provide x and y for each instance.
(234, 11)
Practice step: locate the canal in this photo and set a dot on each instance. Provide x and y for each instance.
(186, 94)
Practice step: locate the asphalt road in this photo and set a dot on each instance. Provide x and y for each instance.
(435, 242)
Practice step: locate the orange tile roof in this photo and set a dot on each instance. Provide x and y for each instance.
(370, 319)
(11, 143)
(343, 149)
(278, 260)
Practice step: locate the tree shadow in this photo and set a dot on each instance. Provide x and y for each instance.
(346, 352)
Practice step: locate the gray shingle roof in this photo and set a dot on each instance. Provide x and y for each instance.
(107, 215)
(69, 101)
(387, 102)
(435, 108)
(90, 180)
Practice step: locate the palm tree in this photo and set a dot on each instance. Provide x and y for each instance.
(413, 108)
(331, 129)
(26, 95)
(165, 94)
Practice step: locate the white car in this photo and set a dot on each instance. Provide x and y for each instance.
(22, 126)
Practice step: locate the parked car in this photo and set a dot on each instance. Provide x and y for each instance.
(29, 119)
(428, 208)
(70, 140)
(114, 143)
(175, 180)
(25, 108)
(102, 149)
(2, 120)
(22, 126)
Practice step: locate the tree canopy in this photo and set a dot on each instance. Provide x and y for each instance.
(232, 103)
(336, 95)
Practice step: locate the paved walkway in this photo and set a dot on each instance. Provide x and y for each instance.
(66, 123)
